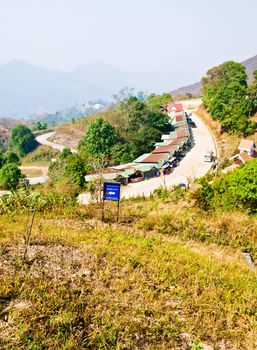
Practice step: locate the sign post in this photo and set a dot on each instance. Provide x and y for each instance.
(111, 192)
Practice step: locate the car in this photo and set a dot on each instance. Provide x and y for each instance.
(175, 163)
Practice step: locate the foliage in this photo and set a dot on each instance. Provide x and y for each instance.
(252, 93)
(69, 167)
(42, 154)
(133, 127)
(21, 200)
(237, 189)
(112, 287)
(39, 125)
(158, 103)
(225, 95)
(2, 159)
(22, 139)
(10, 175)
(100, 138)
(12, 157)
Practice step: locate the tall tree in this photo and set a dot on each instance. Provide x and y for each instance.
(252, 93)
(9, 176)
(22, 139)
(225, 96)
(100, 138)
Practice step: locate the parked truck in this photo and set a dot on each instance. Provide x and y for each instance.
(209, 156)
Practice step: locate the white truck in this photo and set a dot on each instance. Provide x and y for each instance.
(209, 156)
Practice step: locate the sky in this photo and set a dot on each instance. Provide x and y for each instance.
(186, 36)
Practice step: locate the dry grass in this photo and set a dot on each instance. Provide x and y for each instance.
(163, 277)
(41, 156)
(33, 172)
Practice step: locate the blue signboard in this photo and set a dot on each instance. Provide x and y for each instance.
(111, 191)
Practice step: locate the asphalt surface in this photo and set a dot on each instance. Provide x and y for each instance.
(192, 166)
(43, 140)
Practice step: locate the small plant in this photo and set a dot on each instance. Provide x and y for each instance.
(197, 345)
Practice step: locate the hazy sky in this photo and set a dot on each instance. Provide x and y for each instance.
(133, 35)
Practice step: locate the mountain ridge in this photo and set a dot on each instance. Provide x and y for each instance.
(195, 88)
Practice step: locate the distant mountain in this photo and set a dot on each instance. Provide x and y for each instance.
(70, 113)
(26, 89)
(195, 89)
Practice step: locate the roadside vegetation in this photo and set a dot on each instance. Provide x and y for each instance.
(169, 275)
(41, 156)
(22, 140)
(10, 173)
(229, 99)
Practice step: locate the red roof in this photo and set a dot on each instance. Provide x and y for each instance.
(182, 133)
(179, 118)
(177, 106)
(164, 149)
(154, 158)
(246, 157)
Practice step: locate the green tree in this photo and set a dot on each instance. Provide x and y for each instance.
(100, 138)
(2, 159)
(9, 176)
(70, 167)
(252, 93)
(235, 190)
(22, 139)
(39, 125)
(159, 103)
(12, 157)
(65, 153)
(225, 95)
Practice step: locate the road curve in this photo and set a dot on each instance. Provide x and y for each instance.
(192, 166)
(43, 140)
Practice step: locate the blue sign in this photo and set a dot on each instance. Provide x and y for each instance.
(111, 191)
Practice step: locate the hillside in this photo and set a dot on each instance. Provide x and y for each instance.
(26, 89)
(195, 89)
(166, 277)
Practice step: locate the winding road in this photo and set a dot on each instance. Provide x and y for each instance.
(192, 166)
(43, 140)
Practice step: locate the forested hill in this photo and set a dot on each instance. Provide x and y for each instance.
(195, 89)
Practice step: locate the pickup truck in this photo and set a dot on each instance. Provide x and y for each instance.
(209, 156)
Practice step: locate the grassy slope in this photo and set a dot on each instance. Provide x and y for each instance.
(168, 274)
(71, 133)
(41, 156)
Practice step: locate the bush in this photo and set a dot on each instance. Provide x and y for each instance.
(21, 200)
(235, 190)
(22, 139)
(10, 175)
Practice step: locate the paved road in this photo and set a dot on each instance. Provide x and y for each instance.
(36, 179)
(191, 167)
(43, 140)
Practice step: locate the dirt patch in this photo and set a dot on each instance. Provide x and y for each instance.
(48, 261)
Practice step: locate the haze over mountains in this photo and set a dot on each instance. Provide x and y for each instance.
(195, 89)
(26, 89)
